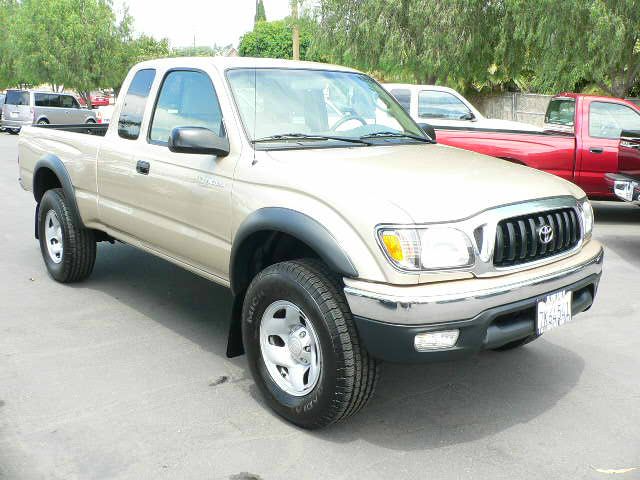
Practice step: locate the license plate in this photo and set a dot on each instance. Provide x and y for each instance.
(14, 114)
(553, 311)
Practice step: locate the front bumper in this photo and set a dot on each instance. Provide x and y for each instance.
(624, 187)
(489, 312)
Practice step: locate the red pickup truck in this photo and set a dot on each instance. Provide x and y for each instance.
(580, 141)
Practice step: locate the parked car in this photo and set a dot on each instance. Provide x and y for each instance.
(625, 182)
(344, 241)
(580, 141)
(444, 107)
(96, 101)
(103, 114)
(27, 107)
(2, 97)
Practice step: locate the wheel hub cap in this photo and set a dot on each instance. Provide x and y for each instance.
(53, 236)
(290, 348)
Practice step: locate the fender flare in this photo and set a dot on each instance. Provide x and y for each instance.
(296, 224)
(54, 164)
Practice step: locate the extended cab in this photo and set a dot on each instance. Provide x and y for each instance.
(346, 235)
(580, 141)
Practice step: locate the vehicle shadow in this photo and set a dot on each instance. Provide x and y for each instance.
(415, 407)
(615, 212)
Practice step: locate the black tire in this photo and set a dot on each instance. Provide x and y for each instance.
(79, 246)
(90, 121)
(348, 375)
(13, 131)
(516, 344)
(43, 121)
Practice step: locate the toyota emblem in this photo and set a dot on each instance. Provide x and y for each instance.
(545, 234)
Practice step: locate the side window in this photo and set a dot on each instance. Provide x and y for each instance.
(67, 101)
(403, 97)
(435, 104)
(134, 104)
(561, 112)
(608, 120)
(186, 99)
(41, 99)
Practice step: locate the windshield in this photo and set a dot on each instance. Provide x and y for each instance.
(289, 105)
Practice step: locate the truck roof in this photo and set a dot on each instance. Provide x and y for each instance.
(225, 63)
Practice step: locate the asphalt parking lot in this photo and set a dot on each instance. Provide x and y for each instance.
(125, 376)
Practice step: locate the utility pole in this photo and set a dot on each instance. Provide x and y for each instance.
(295, 30)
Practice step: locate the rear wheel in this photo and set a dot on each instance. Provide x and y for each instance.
(43, 122)
(68, 249)
(13, 131)
(302, 346)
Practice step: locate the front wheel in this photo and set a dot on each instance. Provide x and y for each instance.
(302, 346)
(13, 131)
(68, 249)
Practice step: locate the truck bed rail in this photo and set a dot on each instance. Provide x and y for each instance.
(85, 128)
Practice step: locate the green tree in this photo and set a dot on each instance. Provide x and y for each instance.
(8, 76)
(260, 16)
(571, 44)
(274, 40)
(199, 51)
(424, 41)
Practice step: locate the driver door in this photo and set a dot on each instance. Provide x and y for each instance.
(600, 139)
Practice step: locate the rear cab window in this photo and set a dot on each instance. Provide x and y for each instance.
(17, 97)
(135, 102)
(561, 113)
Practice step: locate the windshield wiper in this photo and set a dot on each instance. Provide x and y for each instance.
(305, 136)
(397, 135)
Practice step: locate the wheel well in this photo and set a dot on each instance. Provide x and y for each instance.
(262, 249)
(258, 251)
(45, 179)
(43, 119)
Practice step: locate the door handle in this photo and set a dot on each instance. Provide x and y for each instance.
(142, 167)
(596, 150)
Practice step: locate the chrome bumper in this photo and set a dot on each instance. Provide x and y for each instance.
(463, 304)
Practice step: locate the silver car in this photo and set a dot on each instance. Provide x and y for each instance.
(27, 107)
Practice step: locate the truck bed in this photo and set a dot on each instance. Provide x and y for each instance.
(73, 145)
(549, 151)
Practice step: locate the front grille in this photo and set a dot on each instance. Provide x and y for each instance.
(519, 240)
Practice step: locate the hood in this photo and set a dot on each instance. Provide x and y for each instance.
(428, 183)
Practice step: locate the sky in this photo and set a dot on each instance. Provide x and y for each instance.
(220, 22)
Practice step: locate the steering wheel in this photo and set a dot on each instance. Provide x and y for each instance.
(346, 118)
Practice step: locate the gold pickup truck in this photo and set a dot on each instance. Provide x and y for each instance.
(347, 235)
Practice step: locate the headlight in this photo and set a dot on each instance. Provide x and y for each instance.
(587, 217)
(430, 248)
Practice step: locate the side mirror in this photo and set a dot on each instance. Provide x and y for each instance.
(468, 116)
(198, 140)
(429, 130)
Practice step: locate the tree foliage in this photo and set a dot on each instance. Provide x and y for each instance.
(543, 45)
(274, 40)
(260, 15)
(76, 43)
(199, 51)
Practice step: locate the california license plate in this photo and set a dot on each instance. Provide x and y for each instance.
(553, 311)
